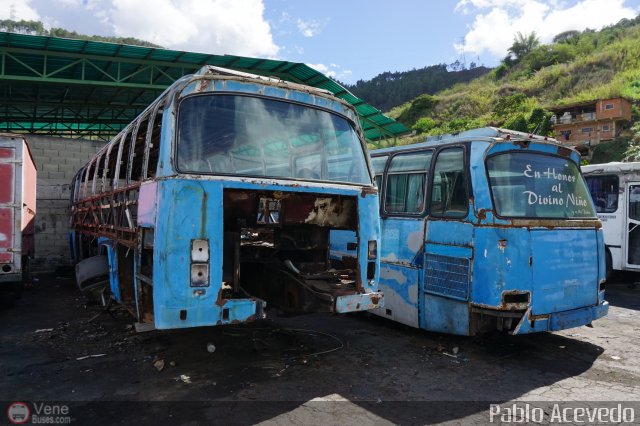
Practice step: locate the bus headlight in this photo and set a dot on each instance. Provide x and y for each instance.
(199, 275)
(199, 263)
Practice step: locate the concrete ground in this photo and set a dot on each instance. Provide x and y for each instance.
(315, 369)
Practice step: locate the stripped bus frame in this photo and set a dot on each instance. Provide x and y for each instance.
(122, 212)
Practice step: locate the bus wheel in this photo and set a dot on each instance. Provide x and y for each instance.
(608, 265)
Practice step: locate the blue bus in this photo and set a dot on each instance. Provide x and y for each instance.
(488, 229)
(220, 198)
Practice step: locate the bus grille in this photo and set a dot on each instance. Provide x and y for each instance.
(447, 276)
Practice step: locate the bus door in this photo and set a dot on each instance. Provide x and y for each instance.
(632, 248)
(402, 226)
(448, 247)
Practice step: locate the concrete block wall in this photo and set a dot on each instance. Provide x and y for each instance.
(57, 161)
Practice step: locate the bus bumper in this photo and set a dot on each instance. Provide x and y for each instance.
(11, 277)
(561, 320)
(359, 302)
(231, 311)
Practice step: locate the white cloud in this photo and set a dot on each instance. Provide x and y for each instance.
(497, 21)
(310, 28)
(18, 10)
(333, 70)
(208, 26)
(68, 3)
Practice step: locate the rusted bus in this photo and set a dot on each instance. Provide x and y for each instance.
(222, 198)
(17, 213)
(487, 229)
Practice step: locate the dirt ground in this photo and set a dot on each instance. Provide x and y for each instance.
(315, 369)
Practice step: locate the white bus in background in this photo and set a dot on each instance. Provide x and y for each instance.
(615, 189)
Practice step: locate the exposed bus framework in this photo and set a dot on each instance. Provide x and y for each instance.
(615, 188)
(488, 229)
(220, 196)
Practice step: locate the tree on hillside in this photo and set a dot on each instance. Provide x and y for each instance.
(37, 28)
(570, 36)
(523, 44)
(22, 27)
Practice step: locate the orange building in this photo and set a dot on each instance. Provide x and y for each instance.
(588, 123)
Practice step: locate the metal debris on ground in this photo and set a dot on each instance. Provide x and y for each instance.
(142, 327)
(159, 364)
(184, 378)
(89, 356)
(43, 330)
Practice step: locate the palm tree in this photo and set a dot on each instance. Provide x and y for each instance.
(523, 44)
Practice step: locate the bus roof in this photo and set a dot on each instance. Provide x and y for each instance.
(613, 167)
(482, 133)
(220, 71)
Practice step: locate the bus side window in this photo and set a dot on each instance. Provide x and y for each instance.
(109, 164)
(449, 196)
(95, 176)
(114, 162)
(137, 155)
(86, 188)
(406, 179)
(378, 164)
(604, 191)
(120, 175)
(152, 142)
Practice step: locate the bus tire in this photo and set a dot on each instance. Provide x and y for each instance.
(608, 265)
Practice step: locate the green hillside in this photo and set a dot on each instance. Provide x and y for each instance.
(389, 89)
(577, 66)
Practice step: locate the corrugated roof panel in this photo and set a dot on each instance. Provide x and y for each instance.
(364, 109)
(115, 63)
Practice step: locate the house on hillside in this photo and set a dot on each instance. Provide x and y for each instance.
(585, 124)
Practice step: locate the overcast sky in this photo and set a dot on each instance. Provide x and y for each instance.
(346, 39)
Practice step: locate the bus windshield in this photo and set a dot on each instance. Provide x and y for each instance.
(253, 136)
(529, 185)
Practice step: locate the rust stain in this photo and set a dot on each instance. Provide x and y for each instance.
(564, 151)
(522, 143)
(220, 300)
(482, 214)
(368, 190)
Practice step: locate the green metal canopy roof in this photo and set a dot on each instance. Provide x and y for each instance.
(78, 88)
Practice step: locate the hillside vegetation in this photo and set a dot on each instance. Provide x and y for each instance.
(390, 89)
(577, 66)
(37, 28)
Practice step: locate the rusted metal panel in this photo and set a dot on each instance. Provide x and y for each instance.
(17, 205)
(7, 197)
(359, 302)
(7, 177)
(6, 235)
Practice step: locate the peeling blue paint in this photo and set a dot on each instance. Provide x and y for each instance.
(484, 271)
